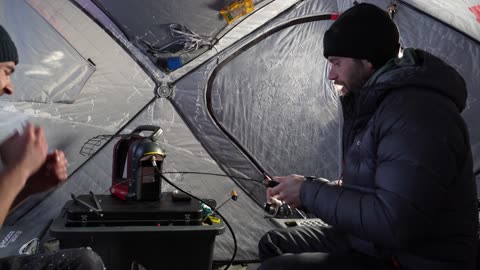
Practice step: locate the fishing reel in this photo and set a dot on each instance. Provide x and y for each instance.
(277, 208)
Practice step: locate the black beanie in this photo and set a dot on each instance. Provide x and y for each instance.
(8, 51)
(364, 32)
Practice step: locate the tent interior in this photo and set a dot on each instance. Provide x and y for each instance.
(240, 99)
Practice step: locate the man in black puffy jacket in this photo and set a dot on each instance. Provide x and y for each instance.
(407, 198)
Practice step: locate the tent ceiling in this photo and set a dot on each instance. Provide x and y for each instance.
(147, 25)
(456, 13)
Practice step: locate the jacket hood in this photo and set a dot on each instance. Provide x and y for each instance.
(420, 69)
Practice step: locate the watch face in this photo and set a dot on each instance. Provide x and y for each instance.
(309, 178)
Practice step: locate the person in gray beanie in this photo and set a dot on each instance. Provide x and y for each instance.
(29, 169)
(406, 198)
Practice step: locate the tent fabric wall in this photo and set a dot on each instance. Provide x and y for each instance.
(249, 79)
(115, 33)
(456, 13)
(62, 73)
(189, 99)
(117, 90)
(286, 115)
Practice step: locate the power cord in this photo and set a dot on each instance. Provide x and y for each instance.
(199, 173)
(154, 164)
(219, 174)
(119, 183)
(184, 40)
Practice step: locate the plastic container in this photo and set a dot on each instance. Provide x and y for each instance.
(153, 246)
(236, 10)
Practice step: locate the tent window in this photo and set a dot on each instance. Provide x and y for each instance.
(50, 69)
(273, 99)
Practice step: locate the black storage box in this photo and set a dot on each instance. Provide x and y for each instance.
(118, 212)
(158, 235)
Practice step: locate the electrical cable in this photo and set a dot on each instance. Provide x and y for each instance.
(121, 182)
(218, 174)
(154, 164)
(183, 37)
(200, 173)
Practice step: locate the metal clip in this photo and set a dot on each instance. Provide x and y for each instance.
(392, 9)
(97, 209)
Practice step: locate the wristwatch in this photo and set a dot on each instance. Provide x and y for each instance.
(309, 178)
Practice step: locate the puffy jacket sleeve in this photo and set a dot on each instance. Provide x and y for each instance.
(418, 151)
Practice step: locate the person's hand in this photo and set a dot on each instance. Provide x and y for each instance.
(27, 151)
(52, 173)
(288, 190)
